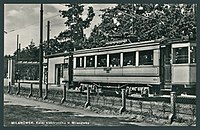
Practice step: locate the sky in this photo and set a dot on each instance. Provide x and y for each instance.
(24, 20)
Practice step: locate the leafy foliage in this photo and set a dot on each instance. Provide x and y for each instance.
(54, 47)
(75, 24)
(125, 23)
(28, 72)
(140, 22)
(29, 53)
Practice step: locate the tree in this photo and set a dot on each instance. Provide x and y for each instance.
(141, 22)
(29, 54)
(75, 24)
(55, 46)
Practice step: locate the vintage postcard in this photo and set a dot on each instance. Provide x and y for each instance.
(100, 64)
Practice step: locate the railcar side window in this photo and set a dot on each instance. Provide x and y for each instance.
(90, 61)
(180, 55)
(146, 57)
(192, 54)
(101, 60)
(129, 58)
(79, 62)
(114, 60)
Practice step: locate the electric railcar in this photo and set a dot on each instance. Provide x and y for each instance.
(158, 66)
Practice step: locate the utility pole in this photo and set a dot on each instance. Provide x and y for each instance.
(19, 49)
(17, 46)
(41, 53)
(17, 71)
(71, 50)
(48, 34)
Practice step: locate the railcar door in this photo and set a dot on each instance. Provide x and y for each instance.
(57, 75)
(165, 64)
(65, 72)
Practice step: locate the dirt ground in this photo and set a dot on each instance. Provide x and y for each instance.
(98, 110)
(21, 111)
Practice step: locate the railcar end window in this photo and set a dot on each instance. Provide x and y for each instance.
(79, 62)
(114, 60)
(101, 60)
(90, 61)
(129, 59)
(146, 57)
(180, 55)
(192, 54)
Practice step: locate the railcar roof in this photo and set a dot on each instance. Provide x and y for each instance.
(156, 42)
(122, 46)
(161, 41)
(57, 55)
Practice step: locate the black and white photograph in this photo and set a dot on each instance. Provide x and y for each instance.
(99, 64)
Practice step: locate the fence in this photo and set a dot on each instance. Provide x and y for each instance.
(152, 109)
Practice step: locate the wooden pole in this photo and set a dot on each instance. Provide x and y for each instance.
(173, 103)
(64, 93)
(172, 116)
(88, 96)
(18, 91)
(41, 53)
(17, 69)
(9, 87)
(48, 35)
(123, 108)
(31, 90)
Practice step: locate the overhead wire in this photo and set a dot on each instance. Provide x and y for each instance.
(32, 24)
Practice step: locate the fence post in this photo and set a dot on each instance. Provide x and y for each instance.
(18, 88)
(123, 108)
(64, 93)
(46, 92)
(88, 96)
(173, 106)
(31, 90)
(9, 87)
(131, 104)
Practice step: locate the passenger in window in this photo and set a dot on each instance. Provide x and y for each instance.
(114, 62)
(146, 58)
